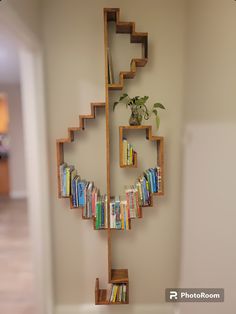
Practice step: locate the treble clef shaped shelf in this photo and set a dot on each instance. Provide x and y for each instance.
(117, 277)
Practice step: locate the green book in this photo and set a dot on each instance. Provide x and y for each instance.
(98, 214)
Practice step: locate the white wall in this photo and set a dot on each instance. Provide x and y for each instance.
(29, 11)
(17, 157)
(208, 216)
(73, 36)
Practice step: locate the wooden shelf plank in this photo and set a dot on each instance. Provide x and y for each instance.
(125, 27)
(135, 127)
(115, 86)
(119, 276)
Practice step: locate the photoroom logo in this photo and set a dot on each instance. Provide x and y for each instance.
(195, 295)
(173, 295)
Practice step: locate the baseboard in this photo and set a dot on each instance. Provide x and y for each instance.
(18, 194)
(117, 309)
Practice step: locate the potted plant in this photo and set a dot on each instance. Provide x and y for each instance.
(138, 108)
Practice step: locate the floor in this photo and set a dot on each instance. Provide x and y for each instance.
(16, 276)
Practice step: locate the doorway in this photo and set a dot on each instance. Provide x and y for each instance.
(16, 261)
(37, 214)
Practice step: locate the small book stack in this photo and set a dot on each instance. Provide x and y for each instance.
(147, 184)
(117, 293)
(119, 214)
(128, 153)
(132, 199)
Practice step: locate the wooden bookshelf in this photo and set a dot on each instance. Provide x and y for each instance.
(115, 276)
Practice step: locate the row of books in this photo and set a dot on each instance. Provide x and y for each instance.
(117, 293)
(148, 183)
(128, 153)
(86, 195)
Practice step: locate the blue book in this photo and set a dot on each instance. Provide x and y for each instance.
(81, 193)
(74, 192)
(117, 213)
(153, 180)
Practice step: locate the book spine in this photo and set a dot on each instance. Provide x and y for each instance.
(102, 214)
(125, 146)
(67, 181)
(124, 293)
(97, 215)
(106, 213)
(131, 155)
(74, 193)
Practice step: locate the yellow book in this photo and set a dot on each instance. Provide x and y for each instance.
(131, 156)
(115, 293)
(126, 216)
(67, 181)
(125, 147)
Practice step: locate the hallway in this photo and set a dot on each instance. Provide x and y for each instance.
(16, 276)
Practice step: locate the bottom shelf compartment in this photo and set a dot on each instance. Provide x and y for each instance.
(119, 275)
(115, 295)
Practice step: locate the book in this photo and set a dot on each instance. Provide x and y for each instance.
(88, 193)
(117, 213)
(125, 147)
(112, 215)
(81, 192)
(115, 293)
(74, 191)
(61, 172)
(106, 212)
(98, 213)
(124, 293)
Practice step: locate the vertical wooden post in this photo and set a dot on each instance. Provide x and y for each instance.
(107, 140)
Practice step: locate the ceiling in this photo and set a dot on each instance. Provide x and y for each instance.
(9, 62)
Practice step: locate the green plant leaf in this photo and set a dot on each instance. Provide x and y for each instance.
(145, 98)
(154, 111)
(158, 105)
(115, 104)
(123, 96)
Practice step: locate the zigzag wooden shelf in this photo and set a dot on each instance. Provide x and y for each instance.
(150, 137)
(70, 138)
(115, 276)
(142, 38)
